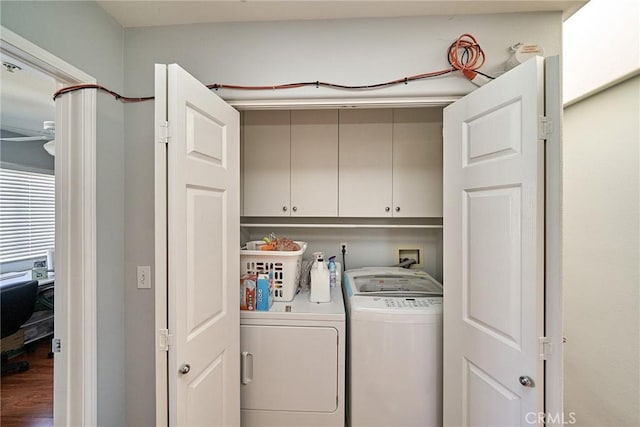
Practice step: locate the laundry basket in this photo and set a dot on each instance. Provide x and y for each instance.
(285, 265)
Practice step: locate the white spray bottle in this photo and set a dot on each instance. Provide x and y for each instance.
(320, 291)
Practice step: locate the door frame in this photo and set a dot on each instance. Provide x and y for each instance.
(553, 306)
(553, 264)
(75, 365)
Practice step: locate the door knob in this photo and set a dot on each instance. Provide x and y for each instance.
(526, 381)
(184, 369)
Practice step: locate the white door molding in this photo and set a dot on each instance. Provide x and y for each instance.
(75, 366)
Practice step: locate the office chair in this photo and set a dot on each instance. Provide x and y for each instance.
(17, 301)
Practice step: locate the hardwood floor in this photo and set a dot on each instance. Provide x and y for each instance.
(27, 397)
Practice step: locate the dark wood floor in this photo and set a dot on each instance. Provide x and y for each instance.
(27, 397)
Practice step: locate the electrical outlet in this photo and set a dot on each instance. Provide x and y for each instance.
(345, 246)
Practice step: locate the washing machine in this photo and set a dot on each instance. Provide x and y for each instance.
(394, 349)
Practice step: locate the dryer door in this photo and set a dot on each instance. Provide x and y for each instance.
(289, 368)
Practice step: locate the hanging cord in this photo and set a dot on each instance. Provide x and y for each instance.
(101, 88)
(465, 55)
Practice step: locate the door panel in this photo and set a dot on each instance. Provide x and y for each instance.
(493, 251)
(204, 282)
(491, 257)
(203, 260)
(205, 396)
(484, 392)
(484, 141)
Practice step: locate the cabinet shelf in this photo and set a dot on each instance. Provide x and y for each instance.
(335, 223)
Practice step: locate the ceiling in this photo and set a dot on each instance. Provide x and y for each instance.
(147, 13)
(26, 96)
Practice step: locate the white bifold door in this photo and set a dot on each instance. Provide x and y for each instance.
(202, 337)
(494, 252)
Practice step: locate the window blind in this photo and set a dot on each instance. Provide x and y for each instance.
(27, 214)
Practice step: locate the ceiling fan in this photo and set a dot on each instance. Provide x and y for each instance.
(48, 135)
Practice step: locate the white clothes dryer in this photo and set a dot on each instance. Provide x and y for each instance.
(394, 333)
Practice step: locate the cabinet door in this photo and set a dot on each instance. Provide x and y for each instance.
(314, 163)
(266, 186)
(289, 368)
(365, 163)
(417, 162)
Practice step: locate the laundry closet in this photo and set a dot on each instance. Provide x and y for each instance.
(369, 178)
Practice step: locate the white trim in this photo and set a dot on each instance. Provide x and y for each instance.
(75, 379)
(160, 209)
(20, 48)
(293, 104)
(554, 375)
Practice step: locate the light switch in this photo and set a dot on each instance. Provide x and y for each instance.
(144, 277)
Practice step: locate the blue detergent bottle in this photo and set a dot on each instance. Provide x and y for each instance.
(332, 272)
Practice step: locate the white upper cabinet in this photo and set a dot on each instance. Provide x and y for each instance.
(391, 163)
(372, 163)
(267, 144)
(365, 170)
(291, 163)
(314, 163)
(417, 162)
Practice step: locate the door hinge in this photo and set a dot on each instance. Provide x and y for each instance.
(56, 345)
(163, 132)
(545, 128)
(165, 340)
(545, 347)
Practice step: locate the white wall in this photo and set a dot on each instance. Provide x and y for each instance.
(602, 213)
(355, 51)
(82, 34)
(602, 257)
(601, 46)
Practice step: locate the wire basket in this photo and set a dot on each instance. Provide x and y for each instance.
(285, 265)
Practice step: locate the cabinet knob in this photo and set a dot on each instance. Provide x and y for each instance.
(397, 208)
(184, 369)
(284, 209)
(387, 209)
(295, 209)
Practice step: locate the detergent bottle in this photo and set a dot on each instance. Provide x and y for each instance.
(320, 291)
(332, 272)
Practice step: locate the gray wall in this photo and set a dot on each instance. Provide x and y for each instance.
(602, 257)
(350, 51)
(82, 34)
(25, 155)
